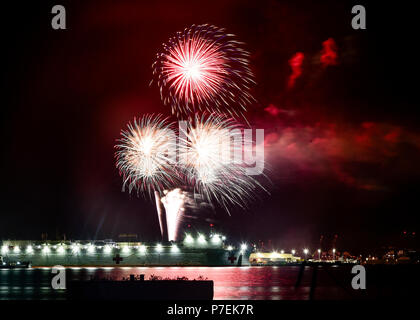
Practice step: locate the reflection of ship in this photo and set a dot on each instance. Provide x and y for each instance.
(198, 251)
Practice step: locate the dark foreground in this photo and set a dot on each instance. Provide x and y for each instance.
(238, 283)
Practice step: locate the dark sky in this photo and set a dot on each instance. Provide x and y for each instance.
(342, 141)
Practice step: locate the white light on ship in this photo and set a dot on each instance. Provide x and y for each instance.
(243, 247)
(46, 249)
(16, 249)
(305, 251)
(159, 247)
(293, 251)
(29, 249)
(174, 249)
(91, 248)
(60, 249)
(223, 238)
(4, 249)
(230, 248)
(201, 239)
(189, 239)
(142, 249)
(282, 251)
(215, 239)
(275, 254)
(75, 248)
(126, 249)
(107, 249)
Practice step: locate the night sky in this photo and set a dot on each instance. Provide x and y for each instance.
(342, 142)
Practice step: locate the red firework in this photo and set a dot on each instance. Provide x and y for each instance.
(204, 69)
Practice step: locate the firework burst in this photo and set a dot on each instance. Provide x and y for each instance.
(144, 155)
(212, 153)
(204, 69)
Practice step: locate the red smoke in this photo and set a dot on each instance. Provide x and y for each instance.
(296, 64)
(343, 150)
(329, 53)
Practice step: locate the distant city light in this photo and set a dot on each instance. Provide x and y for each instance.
(293, 251)
(305, 251)
(189, 239)
(159, 247)
(142, 249)
(334, 250)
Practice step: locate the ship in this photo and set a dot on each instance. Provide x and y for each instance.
(191, 251)
(274, 259)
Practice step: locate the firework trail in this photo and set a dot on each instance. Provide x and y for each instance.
(204, 69)
(145, 155)
(174, 202)
(211, 152)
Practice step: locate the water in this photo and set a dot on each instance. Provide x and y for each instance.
(249, 283)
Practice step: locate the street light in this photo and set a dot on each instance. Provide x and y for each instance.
(334, 254)
(305, 251)
(319, 254)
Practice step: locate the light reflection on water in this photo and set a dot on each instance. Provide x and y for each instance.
(229, 282)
